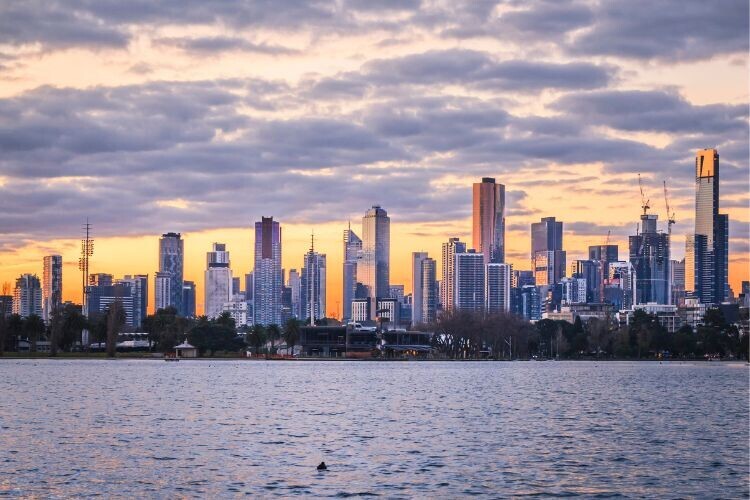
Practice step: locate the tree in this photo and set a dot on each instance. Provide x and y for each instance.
(214, 335)
(257, 337)
(291, 333)
(3, 332)
(15, 328)
(165, 328)
(115, 319)
(33, 328)
(74, 322)
(274, 333)
(55, 330)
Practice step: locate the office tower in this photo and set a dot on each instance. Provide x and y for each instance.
(620, 287)
(102, 293)
(352, 256)
(416, 286)
(594, 273)
(171, 263)
(522, 278)
(295, 287)
(218, 281)
(497, 283)
(603, 254)
(236, 286)
(138, 284)
(27, 296)
(162, 290)
(573, 291)
(396, 292)
(267, 273)
(387, 312)
(711, 278)
(101, 279)
(469, 281)
(547, 254)
(51, 286)
(448, 282)
(677, 270)
(488, 220)
(313, 289)
(649, 255)
(376, 247)
(189, 292)
(427, 289)
(286, 304)
(527, 303)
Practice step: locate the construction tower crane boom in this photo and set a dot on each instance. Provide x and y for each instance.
(670, 215)
(644, 202)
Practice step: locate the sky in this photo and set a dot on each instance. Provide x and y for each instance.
(202, 116)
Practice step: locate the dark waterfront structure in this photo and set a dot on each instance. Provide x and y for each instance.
(350, 342)
(171, 265)
(649, 256)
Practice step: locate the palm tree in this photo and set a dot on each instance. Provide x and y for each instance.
(257, 337)
(33, 327)
(115, 319)
(274, 334)
(291, 333)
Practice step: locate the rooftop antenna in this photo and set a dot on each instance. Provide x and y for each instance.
(644, 202)
(87, 250)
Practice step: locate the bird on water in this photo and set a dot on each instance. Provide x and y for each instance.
(322, 466)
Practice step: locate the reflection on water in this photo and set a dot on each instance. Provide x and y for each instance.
(226, 428)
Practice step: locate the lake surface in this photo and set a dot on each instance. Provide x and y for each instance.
(145, 428)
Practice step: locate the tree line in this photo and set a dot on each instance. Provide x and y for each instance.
(475, 335)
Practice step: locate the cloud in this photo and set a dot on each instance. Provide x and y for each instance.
(211, 44)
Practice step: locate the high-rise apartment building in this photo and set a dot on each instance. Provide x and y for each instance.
(488, 219)
(427, 289)
(138, 284)
(313, 285)
(469, 281)
(603, 254)
(294, 283)
(416, 286)
(497, 286)
(171, 263)
(448, 282)
(376, 248)
(267, 272)
(51, 285)
(162, 290)
(547, 254)
(706, 270)
(649, 255)
(352, 257)
(27, 296)
(189, 293)
(218, 281)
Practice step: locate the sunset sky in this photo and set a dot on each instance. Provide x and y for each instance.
(200, 117)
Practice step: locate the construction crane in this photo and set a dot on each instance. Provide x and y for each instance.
(670, 216)
(644, 202)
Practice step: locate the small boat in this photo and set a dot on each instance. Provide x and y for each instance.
(171, 359)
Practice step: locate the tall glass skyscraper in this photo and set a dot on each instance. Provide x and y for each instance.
(376, 248)
(416, 286)
(313, 286)
(649, 256)
(267, 278)
(488, 220)
(548, 259)
(706, 259)
(51, 285)
(352, 256)
(448, 284)
(427, 289)
(171, 264)
(218, 281)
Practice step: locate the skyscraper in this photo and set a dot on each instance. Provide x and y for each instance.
(497, 286)
(547, 254)
(352, 256)
(710, 274)
(488, 220)
(448, 282)
(162, 290)
(267, 272)
(295, 286)
(376, 248)
(427, 290)
(171, 263)
(218, 280)
(313, 285)
(604, 254)
(188, 299)
(138, 285)
(649, 255)
(27, 296)
(416, 286)
(51, 285)
(469, 281)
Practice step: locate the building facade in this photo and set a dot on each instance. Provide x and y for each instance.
(51, 286)
(267, 276)
(416, 286)
(547, 254)
(171, 263)
(374, 268)
(497, 283)
(27, 296)
(649, 256)
(488, 220)
(313, 286)
(428, 291)
(448, 282)
(352, 257)
(218, 282)
(469, 281)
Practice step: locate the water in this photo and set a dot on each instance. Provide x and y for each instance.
(146, 428)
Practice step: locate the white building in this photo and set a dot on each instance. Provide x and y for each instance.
(448, 282)
(218, 281)
(573, 290)
(27, 296)
(497, 285)
(238, 309)
(51, 285)
(469, 281)
(313, 289)
(162, 290)
(416, 287)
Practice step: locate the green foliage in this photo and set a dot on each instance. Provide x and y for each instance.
(256, 338)
(214, 335)
(165, 328)
(291, 333)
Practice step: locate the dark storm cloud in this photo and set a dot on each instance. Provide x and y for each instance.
(653, 111)
(223, 43)
(670, 30)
